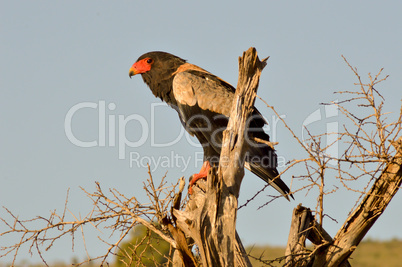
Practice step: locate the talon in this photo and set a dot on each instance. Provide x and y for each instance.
(201, 175)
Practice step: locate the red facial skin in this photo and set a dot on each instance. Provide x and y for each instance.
(141, 66)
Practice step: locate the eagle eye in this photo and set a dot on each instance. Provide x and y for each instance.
(150, 60)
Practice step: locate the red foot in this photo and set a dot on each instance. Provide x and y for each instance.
(201, 175)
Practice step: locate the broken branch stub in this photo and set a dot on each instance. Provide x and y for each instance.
(210, 216)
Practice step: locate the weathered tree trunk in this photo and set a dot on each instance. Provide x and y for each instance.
(210, 216)
(336, 251)
(369, 210)
(304, 227)
(296, 254)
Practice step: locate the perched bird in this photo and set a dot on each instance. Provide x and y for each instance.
(203, 102)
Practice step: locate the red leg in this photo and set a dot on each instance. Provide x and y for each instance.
(201, 175)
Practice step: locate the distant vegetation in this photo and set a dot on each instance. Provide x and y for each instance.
(143, 247)
(368, 254)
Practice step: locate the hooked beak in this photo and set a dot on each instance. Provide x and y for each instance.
(133, 71)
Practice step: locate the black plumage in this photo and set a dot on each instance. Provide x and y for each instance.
(203, 102)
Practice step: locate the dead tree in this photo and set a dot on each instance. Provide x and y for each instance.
(207, 219)
(336, 251)
(377, 154)
(210, 216)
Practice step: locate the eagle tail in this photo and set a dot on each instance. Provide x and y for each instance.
(271, 176)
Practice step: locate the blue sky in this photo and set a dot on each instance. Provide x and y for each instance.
(57, 54)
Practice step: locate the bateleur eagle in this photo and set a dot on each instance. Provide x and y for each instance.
(203, 102)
